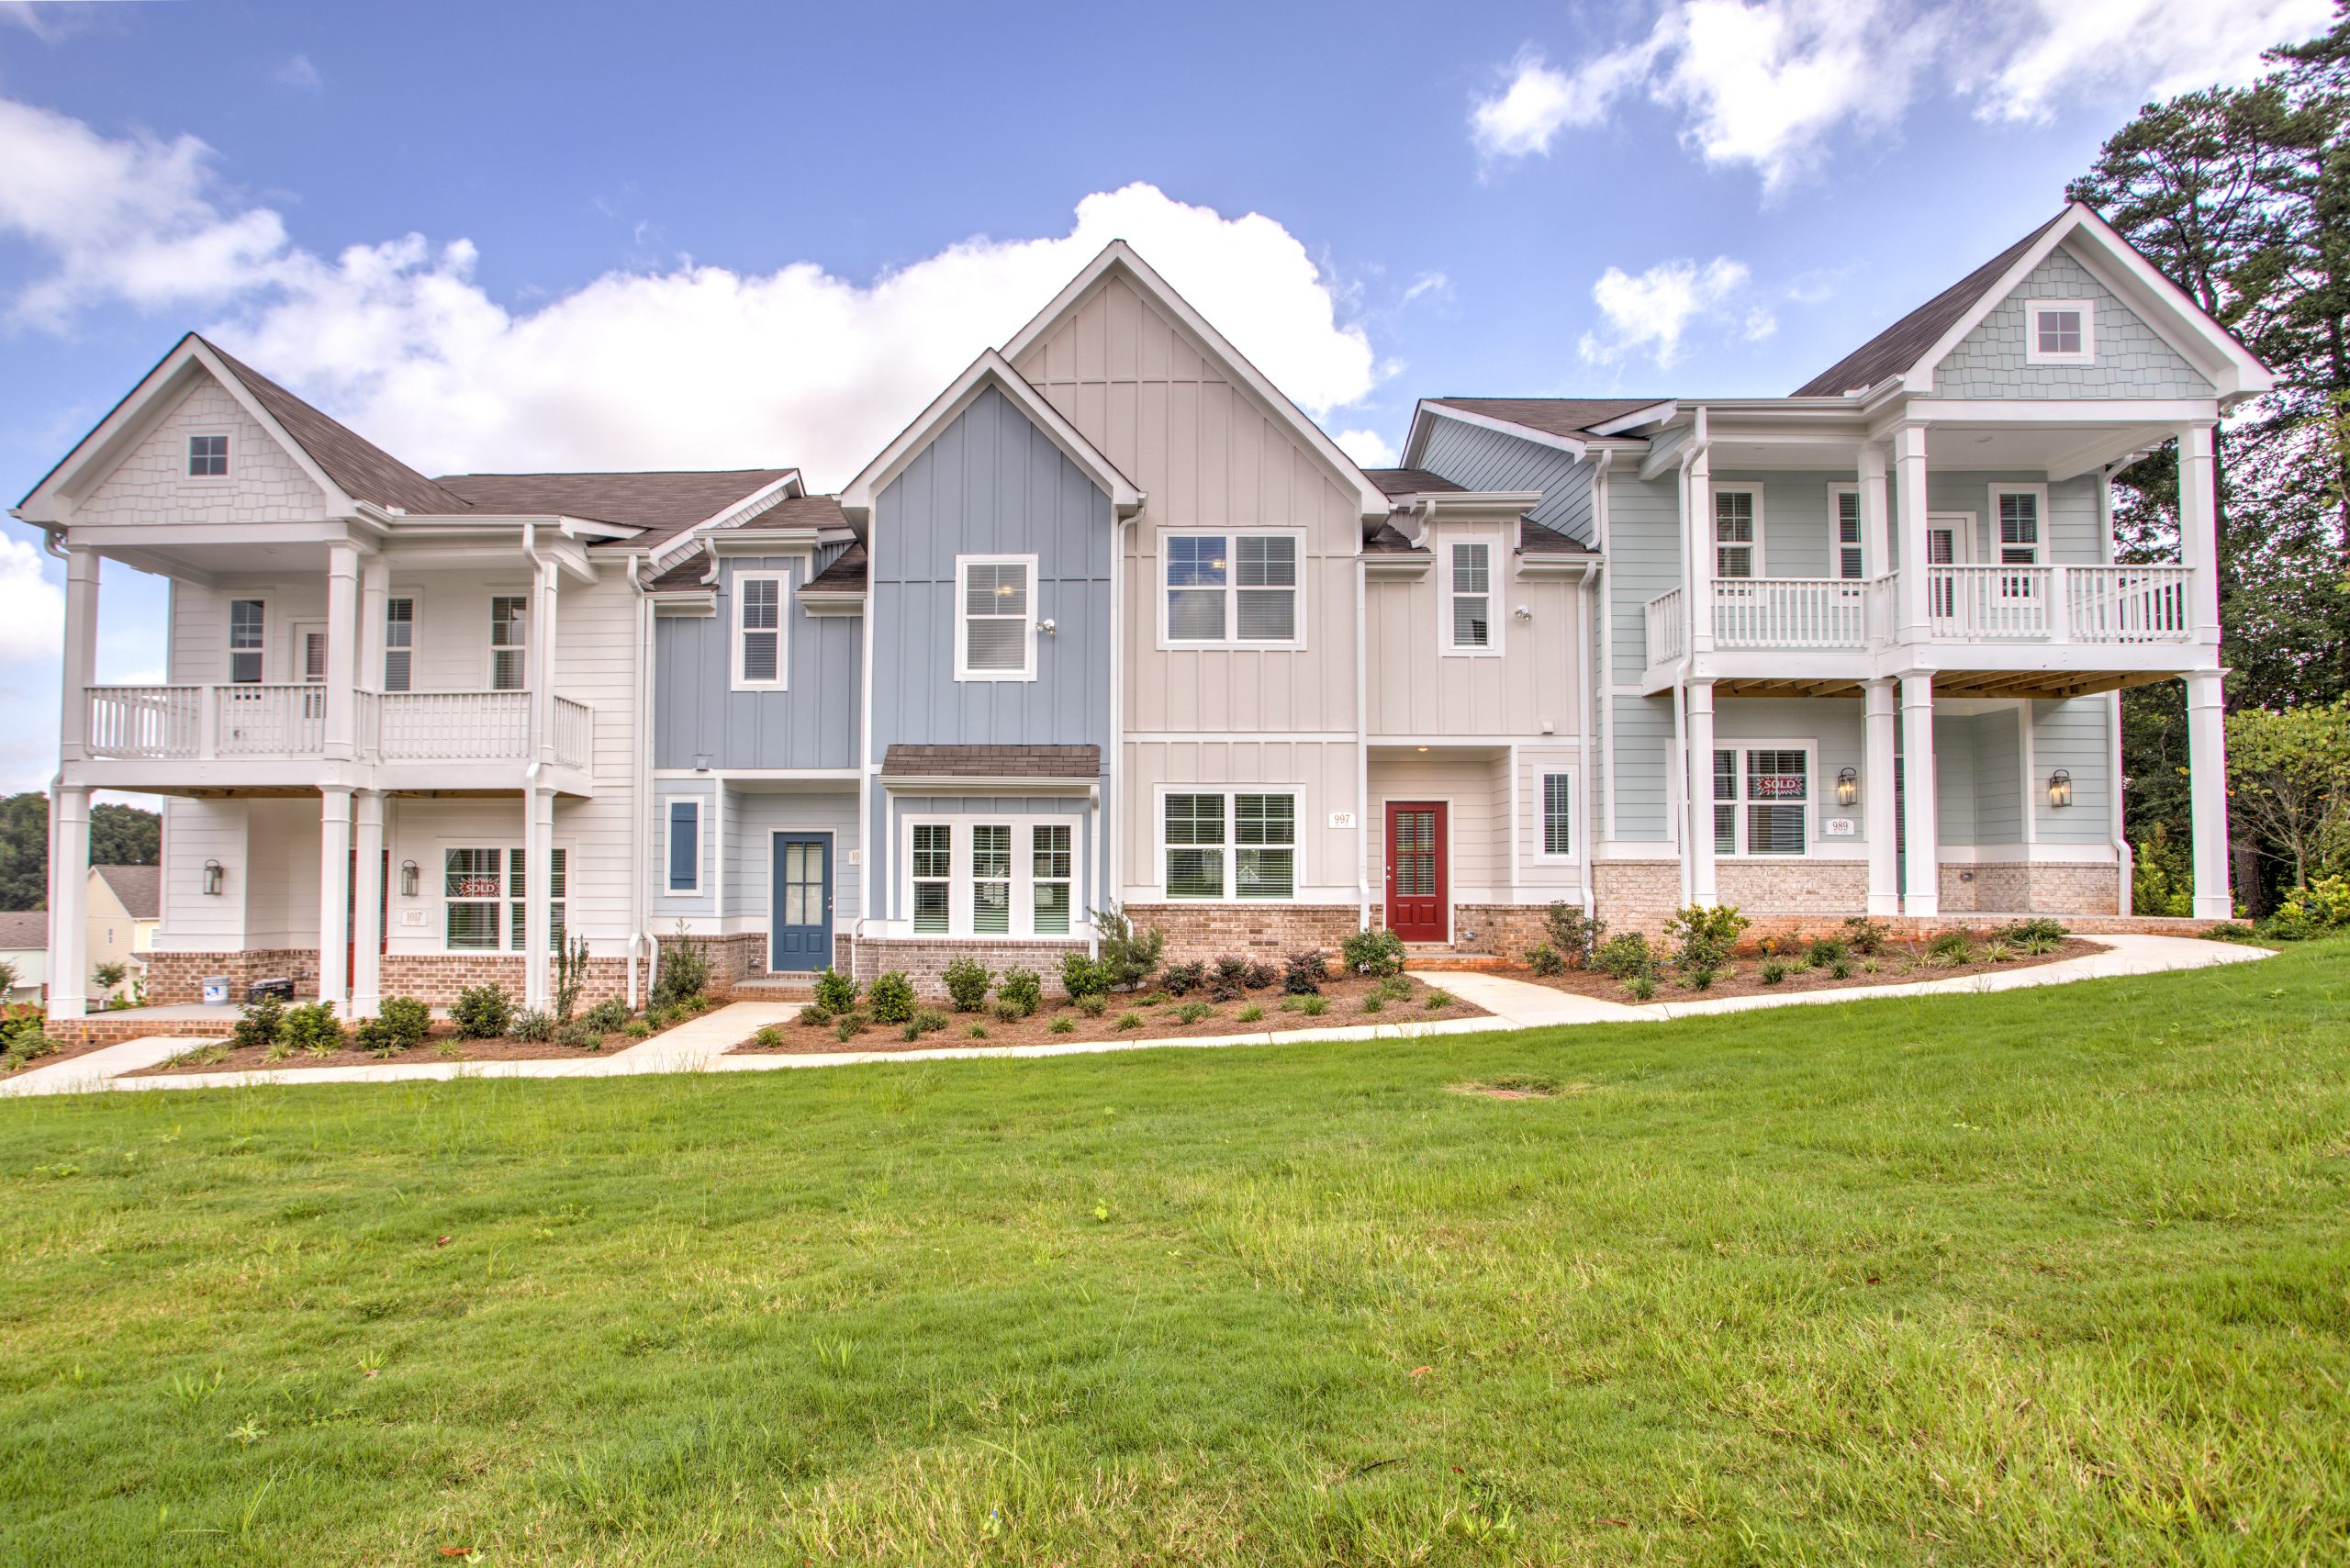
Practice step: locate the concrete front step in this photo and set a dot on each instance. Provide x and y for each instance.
(1450, 961)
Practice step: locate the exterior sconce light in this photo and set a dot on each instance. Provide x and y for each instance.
(410, 878)
(2060, 789)
(212, 875)
(1047, 628)
(1524, 612)
(1848, 786)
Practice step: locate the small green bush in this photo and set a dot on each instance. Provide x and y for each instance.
(850, 1025)
(1641, 987)
(481, 1012)
(530, 1024)
(1374, 1000)
(1439, 999)
(1704, 936)
(1128, 957)
(968, 981)
(1950, 950)
(1260, 976)
(1841, 968)
(1998, 952)
(1572, 934)
(1082, 977)
(1022, 989)
(977, 1031)
(1314, 1006)
(408, 1019)
(1181, 980)
(1128, 1021)
(607, 1017)
(1545, 960)
(1827, 950)
(1062, 1024)
(1008, 1012)
(684, 970)
(835, 992)
(926, 1021)
(891, 998)
(1192, 1012)
(768, 1038)
(1625, 955)
(311, 1024)
(1701, 978)
(1304, 972)
(814, 1016)
(260, 1023)
(1374, 952)
(1230, 979)
(579, 1035)
(1773, 971)
(1094, 1004)
(638, 1029)
(1251, 1013)
(1865, 936)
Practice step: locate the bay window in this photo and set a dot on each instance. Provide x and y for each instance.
(1229, 844)
(1236, 590)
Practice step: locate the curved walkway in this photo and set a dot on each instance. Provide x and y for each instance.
(704, 1044)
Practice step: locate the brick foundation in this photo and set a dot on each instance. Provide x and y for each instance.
(176, 980)
(924, 958)
(1256, 931)
(1792, 887)
(1636, 895)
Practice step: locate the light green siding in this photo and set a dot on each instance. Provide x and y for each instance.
(2131, 359)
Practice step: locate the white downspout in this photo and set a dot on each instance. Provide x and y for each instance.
(1362, 743)
(1607, 629)
(642, 951)
(1582, 741)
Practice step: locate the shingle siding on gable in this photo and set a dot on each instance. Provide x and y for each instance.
(153, 483)
(1477, 459)
(2132, 360)
(810, 724)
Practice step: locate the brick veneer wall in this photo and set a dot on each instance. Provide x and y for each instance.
(1636, 895)
(1260, 931)
(924, 958)
(1505, 930)
(176, 980)
(1794, 886)
(2015, 886)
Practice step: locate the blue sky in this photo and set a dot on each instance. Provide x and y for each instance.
(712, 234)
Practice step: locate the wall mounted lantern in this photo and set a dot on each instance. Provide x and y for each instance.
(212, 875)
(410, 878)
(2060, 789)
(1848, 786)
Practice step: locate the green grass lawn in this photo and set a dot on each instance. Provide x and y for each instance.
(2054, 1276)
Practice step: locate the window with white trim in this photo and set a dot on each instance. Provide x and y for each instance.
(1845, 509)
(509, 631)
(1469, 596)
(2019, 523)
(1229, 844)
(1737, 527)
(207, 456)
(933, 874)
(399, 643)
(991, 879)
(2059, 331)
(483, 890)
(991, 876)
(248, 620)
(682, 857)
(995, 624)
(1761, 799)
(1052, 862)
(1554, 793)
(758, 630)
(1235, 589)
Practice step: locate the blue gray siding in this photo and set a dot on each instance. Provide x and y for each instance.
(1834, 723)
(2073, 735)
(2132, 360)
(753, 817)
(1479, 459)
(812, 724)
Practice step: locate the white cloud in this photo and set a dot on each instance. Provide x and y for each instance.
(1651, 312)
(32, 609)
(1367, 447)
(1778, 85)
(300, 74)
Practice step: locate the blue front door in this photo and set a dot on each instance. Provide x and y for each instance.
(801, 922)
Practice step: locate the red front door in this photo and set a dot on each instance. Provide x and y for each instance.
(1417, 902)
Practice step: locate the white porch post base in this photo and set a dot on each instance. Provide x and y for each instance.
(1925, 896)
(368, 907)
(334, 899)
(69, 886)
(1703, 886)
(2207, 769)
(1877, 807)
(538, 874)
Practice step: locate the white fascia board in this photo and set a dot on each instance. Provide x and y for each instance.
(1120, 257)
(1654, 414)
(764, 498)
(762, 542)
(1566, 443)
(990, 369)
(1478, 502)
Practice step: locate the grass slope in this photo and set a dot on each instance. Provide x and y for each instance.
(2058, 1275)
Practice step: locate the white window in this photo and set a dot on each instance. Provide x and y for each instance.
(1738, 532)
(1845, 509)
(995, 624)
(510, 623)
(1469, 623)
(207, 456)
(681, 825)
(1556, 799)
(1761, 799)
(482, 893)
(2059, 332)
(399, 643)
(1229, 844)
(247, 623)
(991, 876)
(2017, 512)
(310, 652)
(1234, 590)
(758, 631)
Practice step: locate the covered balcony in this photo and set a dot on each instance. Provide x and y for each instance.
(288, 722)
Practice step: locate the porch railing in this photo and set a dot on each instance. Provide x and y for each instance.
(2128, 604)
(1789, 613)
(189, 724)
(145, 723)
(1667, 627)
(269, 720)
(454, 726)
(574, 731)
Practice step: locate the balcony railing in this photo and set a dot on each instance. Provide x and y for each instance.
(2088, 605)
(191, 723)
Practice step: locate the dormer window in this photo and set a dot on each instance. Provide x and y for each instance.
(2059, 332)
(207, 456)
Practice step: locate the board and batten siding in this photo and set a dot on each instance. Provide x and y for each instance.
(753, 819)
(1416, 689)
(1208, 455)
(151, 484)
(810, 723)
(1478, 459)
(2131, 359)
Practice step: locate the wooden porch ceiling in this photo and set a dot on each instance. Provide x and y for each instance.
(2055, 685)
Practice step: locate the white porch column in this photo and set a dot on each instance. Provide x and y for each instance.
(342, 649)
(540, 659)
(368, 907)
(2198, 542)
(334, 898)
(1877, 803)
(1702, 884)
(1699, 494)
(1925, 897)
(1877, 516)
(81, 653)
(374, 589)
(69, 883)
(2207, 784)
(538, 891)
(1909, 488)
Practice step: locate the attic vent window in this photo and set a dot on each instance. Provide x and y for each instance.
(2059, 332)
(207, 456)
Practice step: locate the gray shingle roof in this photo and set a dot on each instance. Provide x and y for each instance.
(1553, 415)
(1905, 342)
(1408, 481)
(662, 502)
(992, 762)
(845, 575)
(140, 889)
(364, 471)
(25, 928)
(1533, 539)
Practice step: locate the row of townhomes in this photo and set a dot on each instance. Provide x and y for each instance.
(1112, 624)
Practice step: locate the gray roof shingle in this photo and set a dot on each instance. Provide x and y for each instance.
(992, 762)
(1408, 481)
(1905, 342)
(1551, 416)
(21, 929)
(662, 502)
(140, 889)
(364, 471)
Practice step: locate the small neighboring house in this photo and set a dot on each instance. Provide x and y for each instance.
(23, 944)
(126, 905)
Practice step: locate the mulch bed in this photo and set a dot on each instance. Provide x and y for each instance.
(1901, 963)
(440, 1045)
(1342, 1003)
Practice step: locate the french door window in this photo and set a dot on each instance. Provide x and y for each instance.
(1230, 845)
(1762, 801)
(1230, 589)
(509, 621)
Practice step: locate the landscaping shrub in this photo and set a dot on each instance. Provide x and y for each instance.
(977, 1031)
(1313, 1006)
(1641, 985)
(260, 1023)
(1773, 971)
(377, 1038)
(1093, 1004)
(638, 1029)
(1373, 1000)
(923, 1020)
(1009, 1012)
(1128, 1021)
(481, 1012)
(1082, 977)
(1950, 950)
(1572, 934)
(768, 1038)
(1841, 968)
(891, 998)
(23, 1040)
(1374, 952)
(1192, 1012)
(1625, 955)
(684, 969)
(569, 977)
(1231, 978)
(814, 1016)
(311, 1027)
(1022, 989)
(1827, 950)
(579, 1035)
(1437, 999)
(607, 1017)
(1865, 936)
(967, 983)
(1702, 938)
(2041, 930)
(1701, 978)
(1062, 1025)
(2323, 905)
(1998, 952)
(1181, 980)
(1260, 976)
(1128, 957)
(1251, 1013)
(835, 992)
(1545, 959)
(850, 1027)
(530, 1024)
(1303, 974)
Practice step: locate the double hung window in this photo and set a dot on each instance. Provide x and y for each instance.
(510, 623)
(1558, 816)
(483, 891)
(1762, 801)
(1231, 589)
(1470, 596)
(1737, 533)
(1229, 844)
(247, 623)
(758, 630)
(995, 621)
(1844, 505)
(399, 643)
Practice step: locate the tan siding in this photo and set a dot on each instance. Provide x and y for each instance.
(151, 485)
(1417, 690)
(1322, 772)
(1475, 789)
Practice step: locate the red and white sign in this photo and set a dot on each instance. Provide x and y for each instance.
(1774, 786)
(475, 888)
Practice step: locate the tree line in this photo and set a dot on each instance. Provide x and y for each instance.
(119, 836)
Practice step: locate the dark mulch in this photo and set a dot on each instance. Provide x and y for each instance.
(442, 1045)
